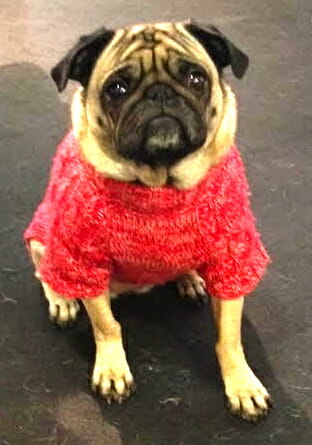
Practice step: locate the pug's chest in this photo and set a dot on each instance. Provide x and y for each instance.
(154, 249)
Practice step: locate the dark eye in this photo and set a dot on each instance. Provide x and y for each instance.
(116, 89)
(197, 81)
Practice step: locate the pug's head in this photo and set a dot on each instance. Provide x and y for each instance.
(153, 105)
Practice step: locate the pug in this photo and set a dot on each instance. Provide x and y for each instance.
(148, 187)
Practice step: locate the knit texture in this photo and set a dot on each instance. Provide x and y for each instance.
(97, 229)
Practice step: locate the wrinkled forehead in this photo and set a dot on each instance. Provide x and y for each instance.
(152, 36)
(151, 45)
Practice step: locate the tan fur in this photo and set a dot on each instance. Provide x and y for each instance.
(119, 170)
(62, 311)
(246, 394)
(197, 163)
(111, 375)
(188, 172)
(98, 147)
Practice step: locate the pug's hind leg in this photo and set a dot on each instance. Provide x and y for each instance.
(36, 251)
(61, 311)
(192, 287)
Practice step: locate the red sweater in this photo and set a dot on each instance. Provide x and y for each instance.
(96, 229)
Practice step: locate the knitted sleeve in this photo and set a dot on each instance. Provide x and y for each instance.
(37, 229)
(237, 258)
(76, 261)
(71, 225)
(74, 265)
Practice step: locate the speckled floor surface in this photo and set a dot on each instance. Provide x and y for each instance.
(44, 388)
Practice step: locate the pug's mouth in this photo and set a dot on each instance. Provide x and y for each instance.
(163, 145)
(164, 142)
(154, 147)
(159, 143)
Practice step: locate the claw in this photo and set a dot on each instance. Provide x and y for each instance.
(192, 288)
(252, 418)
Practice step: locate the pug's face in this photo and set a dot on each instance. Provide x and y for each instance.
(153, 100)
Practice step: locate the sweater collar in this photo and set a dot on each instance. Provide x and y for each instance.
(153, 200)
(149, 199)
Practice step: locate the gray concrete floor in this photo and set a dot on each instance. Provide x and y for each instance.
(44, 392)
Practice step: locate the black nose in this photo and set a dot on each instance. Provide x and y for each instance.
(160, 93)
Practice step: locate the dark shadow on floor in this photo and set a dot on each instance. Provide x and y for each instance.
(179, 399)
(44, 371)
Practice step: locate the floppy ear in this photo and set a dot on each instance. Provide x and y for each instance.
(78, 63)
(222, 51)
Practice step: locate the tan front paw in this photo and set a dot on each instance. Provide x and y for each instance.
(112, 377)
(246, 396)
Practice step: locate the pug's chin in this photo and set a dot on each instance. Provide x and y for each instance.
(151, 176)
